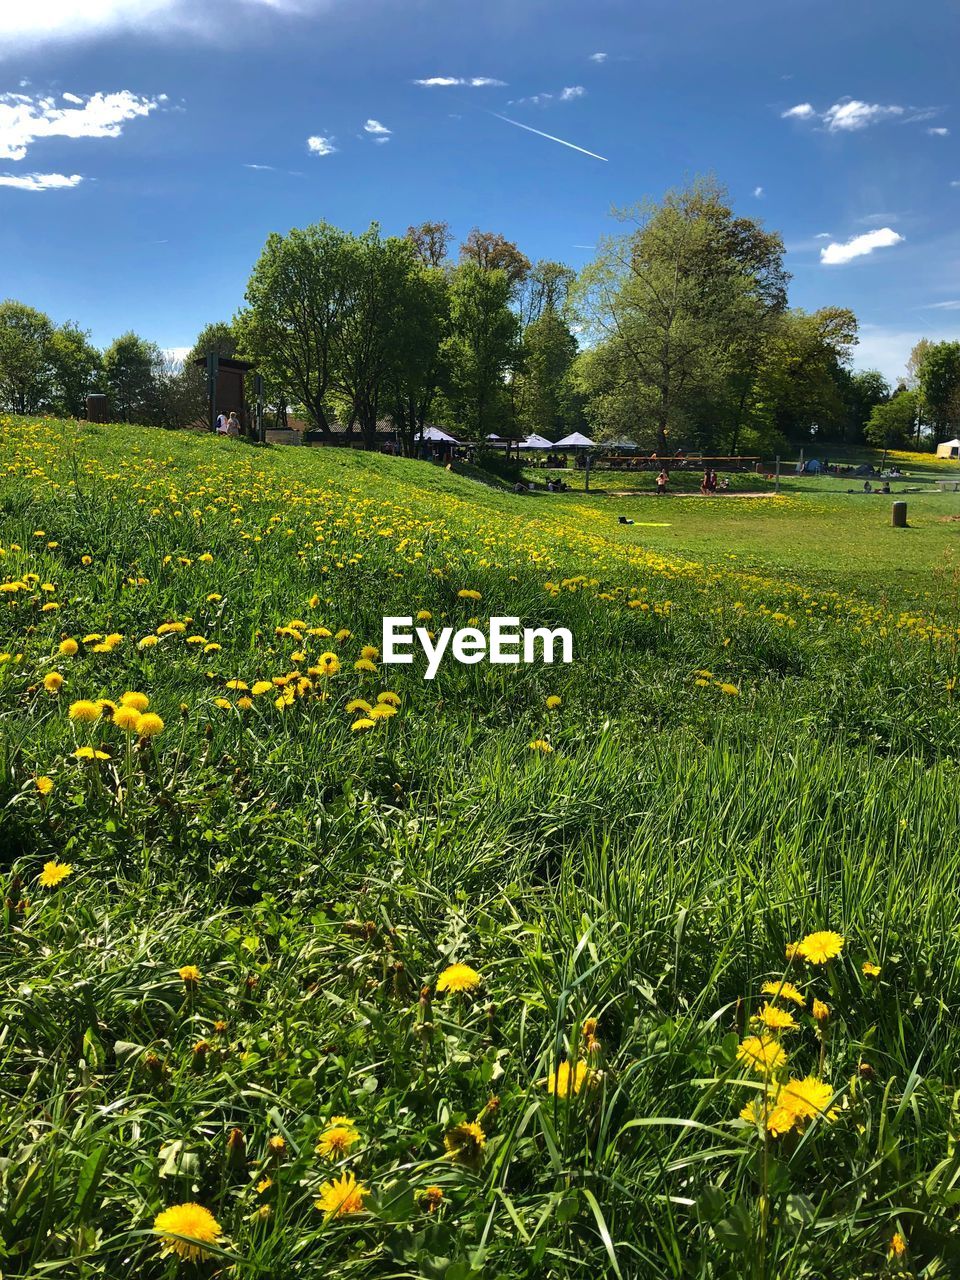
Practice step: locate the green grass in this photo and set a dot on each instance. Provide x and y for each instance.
(648, 872)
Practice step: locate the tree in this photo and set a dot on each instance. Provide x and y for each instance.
(861, 391)
(797, 390)
(546, 288)
(77, 367)
(481, 346)
(26, 358)
(547, 403)
(431, 242)
(491, 252)
(296, 298)
(892, 424)
(682, 303)
(366, 349)
(939, 379)
(419, 370)
(132, 369)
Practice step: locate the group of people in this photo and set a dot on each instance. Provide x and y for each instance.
(228, 425)
(883, 488)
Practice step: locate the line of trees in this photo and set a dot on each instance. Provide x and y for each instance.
(679, 334)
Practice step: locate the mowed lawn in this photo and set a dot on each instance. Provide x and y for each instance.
(645, 966)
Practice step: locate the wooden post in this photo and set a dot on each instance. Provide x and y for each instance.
(900, 515)
(777, 489)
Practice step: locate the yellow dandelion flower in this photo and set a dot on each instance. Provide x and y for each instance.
(784, 991)
(357, 704)
(870, 970)
(341, 1196)
(150, 725)
(329, 664)
(127, 719)
(898, 1246)
(808, 1098)
(391, 699)
(820, 1011)
(553, 702)
(189, 974)
(567, 1079)
(430, 1198)
(84, 711)
(88, 753)
(761, 1054)
(458, 977)
(540, 745)
(776, 1019)
(818, 948)
(54, 873)
(53, 682)
(337, 1139)
(362, 724)
(43, 784)
(260, 687)
(467, 594)
(139, 701)
(185, 1229)
(68, 647)
(465, 1143)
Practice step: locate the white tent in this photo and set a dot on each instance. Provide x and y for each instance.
(576, 440)
(536, 442)
(433, 435)
(949, 449)
(622, 444)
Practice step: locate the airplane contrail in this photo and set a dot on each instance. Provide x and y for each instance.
(529, 128)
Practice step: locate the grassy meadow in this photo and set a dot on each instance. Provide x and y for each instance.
(312, 967)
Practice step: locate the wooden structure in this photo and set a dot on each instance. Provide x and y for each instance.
(225, 390)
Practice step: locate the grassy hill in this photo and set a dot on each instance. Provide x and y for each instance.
(510, 948)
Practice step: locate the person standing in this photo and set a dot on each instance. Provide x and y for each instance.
(233, 425)
(662, 481)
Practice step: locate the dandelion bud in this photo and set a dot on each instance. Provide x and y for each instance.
(865, 1071)
(236, 1148)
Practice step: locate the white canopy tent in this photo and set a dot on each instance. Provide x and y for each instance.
(949, 449)
(536, 442)
(433, 435)
(576, 440)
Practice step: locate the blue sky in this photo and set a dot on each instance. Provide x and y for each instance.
(131, 203)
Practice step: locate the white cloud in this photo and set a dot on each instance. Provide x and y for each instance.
(939, 133)
(319, 145)
(467, 82)
(598, 57)
(955, 183)
(26, 25)
(759, 192)
(267, 168)
(822, 235)
(851, 114)
(25, 119)
(836, 254)
(72, 97)
(570, 94)
(952, 305)
(39, 181)
(378, 131)
(802, 111)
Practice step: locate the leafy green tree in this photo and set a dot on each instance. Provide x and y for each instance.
(546, 288)
(679, 303)
(26, 358)
(418, 372)
(892, 424)
(77, 367)
(547, 401)
(481, 347)
(939, 379)
(296, 301)
(491, 251)
(797, 390)
(861, 391)
(133, 368)
(376, 276)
